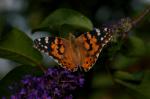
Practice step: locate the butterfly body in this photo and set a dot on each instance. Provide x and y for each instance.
(74, 53)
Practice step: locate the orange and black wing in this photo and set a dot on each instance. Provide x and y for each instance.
(90, 46)
(59, 49)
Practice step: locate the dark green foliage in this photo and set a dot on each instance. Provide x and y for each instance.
(63, 21)
(17, 46)
(140, 91)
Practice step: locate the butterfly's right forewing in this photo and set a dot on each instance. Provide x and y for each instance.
(90, 46)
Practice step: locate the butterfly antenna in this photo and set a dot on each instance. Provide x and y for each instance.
(137, 19)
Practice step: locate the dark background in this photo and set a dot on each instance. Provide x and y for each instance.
(28, 14)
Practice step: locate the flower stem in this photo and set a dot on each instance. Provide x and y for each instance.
(42, 68)
(141, 16)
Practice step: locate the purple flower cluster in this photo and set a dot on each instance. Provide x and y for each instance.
(55, 84)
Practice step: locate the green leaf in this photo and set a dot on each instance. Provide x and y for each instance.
(16, 45)
(140, 91)
(15, 76)
(136, 47)
(101, 81)
(137, 76)
(122, 62)
(65, 20)
(134, 50)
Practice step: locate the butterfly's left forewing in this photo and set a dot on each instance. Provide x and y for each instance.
(59, 49)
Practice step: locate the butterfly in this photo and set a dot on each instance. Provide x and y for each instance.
(75, 52)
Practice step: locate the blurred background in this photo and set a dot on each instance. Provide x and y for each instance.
(28, 14)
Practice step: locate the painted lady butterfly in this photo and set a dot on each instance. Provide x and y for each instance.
(81, 51)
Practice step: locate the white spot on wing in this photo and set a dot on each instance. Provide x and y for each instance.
(98, 32)
(45, 47)
(106, 41)
(39, 39)
(105, 29)
(103, 45)
(46, 40)
(97, 55)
